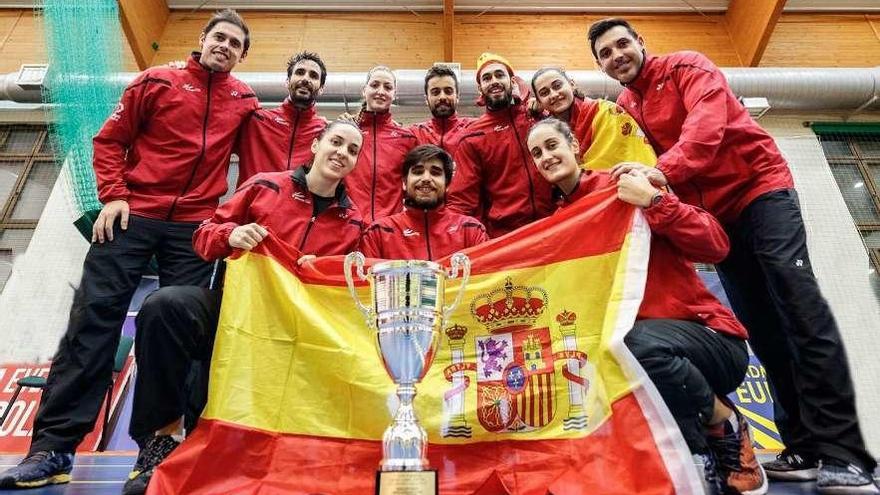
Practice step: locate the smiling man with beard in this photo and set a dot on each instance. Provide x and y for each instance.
(281, 138)
(445, 128)
(495, 180)
(425, 230)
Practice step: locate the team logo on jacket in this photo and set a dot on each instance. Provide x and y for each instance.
(660, 86)
(233, 93)
(117, 112)
(501, 127)
(192, 89)
(280, 121)
(515, 366)
(299, 196)
(395, 134)
(410, 233)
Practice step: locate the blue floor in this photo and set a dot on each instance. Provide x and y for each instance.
(104, 474)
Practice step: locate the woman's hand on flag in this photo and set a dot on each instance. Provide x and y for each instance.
(247, 236)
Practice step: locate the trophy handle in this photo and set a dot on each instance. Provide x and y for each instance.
(356, 258)
(458, 261)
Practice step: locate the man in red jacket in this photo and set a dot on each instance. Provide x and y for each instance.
(690, 345)
(425, 230)
(495, 180)
(281, 138)
(715, 156)
(307, 207)
(160, 161)
(445, 128)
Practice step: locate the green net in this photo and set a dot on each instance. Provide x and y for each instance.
(84, 45)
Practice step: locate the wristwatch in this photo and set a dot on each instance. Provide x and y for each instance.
(656, 198)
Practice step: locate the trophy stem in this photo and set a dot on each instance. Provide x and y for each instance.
(405, 441)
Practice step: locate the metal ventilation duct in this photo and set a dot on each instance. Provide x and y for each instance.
(808, 89)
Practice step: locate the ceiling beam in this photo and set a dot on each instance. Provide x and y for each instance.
(448, 30)
(143, 22)
(750, 24)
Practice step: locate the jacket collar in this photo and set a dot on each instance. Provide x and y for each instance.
(581, 189)
(646, 76)
(291, 111)
(418, 214)
(445, 124)
(378, 118)
(194, 67)
(298, 176)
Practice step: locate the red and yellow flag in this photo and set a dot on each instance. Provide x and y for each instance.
(532, 389)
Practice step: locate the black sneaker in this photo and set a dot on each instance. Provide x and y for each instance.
(153, 453)
(839, 477)
(39, 469)
(790, 466)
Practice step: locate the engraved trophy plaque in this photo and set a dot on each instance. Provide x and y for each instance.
(407, 311)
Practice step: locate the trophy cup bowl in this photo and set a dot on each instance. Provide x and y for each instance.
(407, 311)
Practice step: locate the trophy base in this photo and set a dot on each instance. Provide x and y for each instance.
(406, 482)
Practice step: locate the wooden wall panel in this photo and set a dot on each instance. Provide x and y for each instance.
(22, 41)
(143, 22)
(815, 40)
(750, 24)
(530, 41)
(346, 41)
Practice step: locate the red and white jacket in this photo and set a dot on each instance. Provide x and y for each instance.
(495, 179)
(165, 148)
(376, 183)
(443, 132)
(416, 234)
(712, 152)
(277, 139)
(281, 202)
(681, 235)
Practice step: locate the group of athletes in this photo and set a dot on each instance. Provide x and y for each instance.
(712, 184)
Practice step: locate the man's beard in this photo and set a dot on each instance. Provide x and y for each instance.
(423, 204)
(303, 101)
(504, 102)
(443, 111)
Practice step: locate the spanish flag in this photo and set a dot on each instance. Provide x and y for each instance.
(532, 390)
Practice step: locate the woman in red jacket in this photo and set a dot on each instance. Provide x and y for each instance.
(691, 346)
(307, 207)
(374, 185)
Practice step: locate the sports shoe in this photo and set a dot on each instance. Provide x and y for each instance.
(838, 477)
(153, 453)
(736, 457)
(790, 466)
(39, 469)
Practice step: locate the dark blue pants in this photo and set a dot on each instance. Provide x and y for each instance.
(82, 368)
(770, 283)
(689, 364)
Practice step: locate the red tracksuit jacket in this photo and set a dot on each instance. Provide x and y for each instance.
(445, 133)
(376, 183)
(416, 234)
(165, 149)
(281, 202)
(712, 152)
(495, 179)
(681, 234)
(277, 139)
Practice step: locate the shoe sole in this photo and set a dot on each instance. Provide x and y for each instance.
(799, 475)
(764, 484)
(848, 490)
(58, 479)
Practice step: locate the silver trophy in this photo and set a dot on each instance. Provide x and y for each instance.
(407, 312)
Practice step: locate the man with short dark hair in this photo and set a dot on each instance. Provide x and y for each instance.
(495, 180)
(160, 161)
(425, 230)
(717, 157)
(445, 128)
(281, 138)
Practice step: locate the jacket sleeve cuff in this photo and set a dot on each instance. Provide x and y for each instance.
(661, 213)
(669, 171)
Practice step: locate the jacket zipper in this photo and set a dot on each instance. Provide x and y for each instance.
(525, 164)
(428, 237)
(292, 140)
(201, 157)
(302, 243)
(373, 192)
(443, 124)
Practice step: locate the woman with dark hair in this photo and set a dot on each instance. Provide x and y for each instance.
(605, 132)
(691, 347)
(374, 185)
